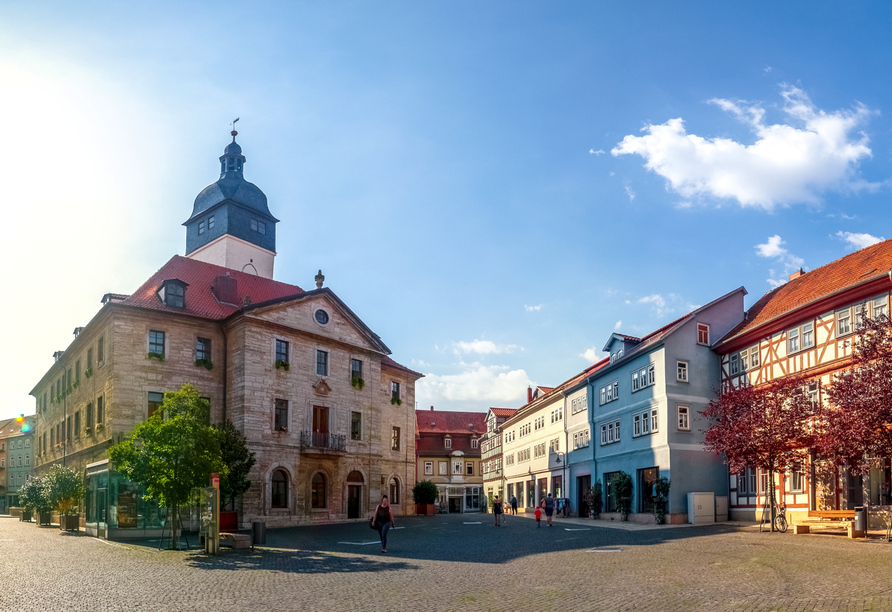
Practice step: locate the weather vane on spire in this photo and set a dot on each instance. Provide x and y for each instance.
(233, 133)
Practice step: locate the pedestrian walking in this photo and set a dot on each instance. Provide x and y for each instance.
(383, 521)
(497, 510)
(514, 505)
(548, 506)
(538, 516)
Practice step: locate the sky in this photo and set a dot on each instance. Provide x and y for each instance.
(494, 188)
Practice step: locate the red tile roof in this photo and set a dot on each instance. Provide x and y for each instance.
(504, 412)
(445, 421)
(200, 301)
(853, 269)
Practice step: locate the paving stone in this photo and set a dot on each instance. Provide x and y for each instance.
(439, 563)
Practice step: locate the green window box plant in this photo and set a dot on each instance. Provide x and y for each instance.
(153, 355)
(204, 363)
(282, 365)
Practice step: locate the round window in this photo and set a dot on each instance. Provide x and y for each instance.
(321, 317)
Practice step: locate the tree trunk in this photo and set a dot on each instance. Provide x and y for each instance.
(771, 493)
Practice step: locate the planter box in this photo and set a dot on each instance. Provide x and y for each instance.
(44, 518)
(228, 521)
(26, 516)
(425, 509)
(70, 522)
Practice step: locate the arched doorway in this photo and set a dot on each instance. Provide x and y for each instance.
(354, 494)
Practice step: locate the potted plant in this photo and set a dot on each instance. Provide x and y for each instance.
(622, 484)
(154, 355)
(65, 489)
(595, 500)
(204, 363)
(357, 383)
(425, 494)
(661, 499)
(33, 495)
(281, 364)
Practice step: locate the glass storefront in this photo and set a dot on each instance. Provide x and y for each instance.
(117, 508)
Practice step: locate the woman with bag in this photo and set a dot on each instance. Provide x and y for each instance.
(383, 521)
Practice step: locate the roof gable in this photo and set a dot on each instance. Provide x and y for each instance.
(450, 422)
(322, 313)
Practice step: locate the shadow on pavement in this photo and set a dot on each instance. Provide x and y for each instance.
(293, 561)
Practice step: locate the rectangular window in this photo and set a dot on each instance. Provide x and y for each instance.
(395, 439)
(100, 350)
(684, 423)
(634, 381)
(281, 415)
(603, 435)
(100, 409)
(744, 360)
(200, 228)
(880, 308)
(443, 468)
(156, 342)
(456, 467)
(702, 333)
(808, 335)
(609, 433)
(282, 351)
(682, 371)
(645, 422)
(741, 484)
(394, 391)
(428, 468)
(322, 363)
(754, 356)
(448, 442)
(793, 341)
(77, 371)
(68, 430)
(356, 426)
(90, 358)
(797, 481)
(203, 349)
(475, 443)
(636, 425)
(814, 396)
(155, 400)
(843, 322)
(89, 422)
(77, 424)
(610, 392)
(734, 366)
(654, 421)
(355, 369)
(211, 222)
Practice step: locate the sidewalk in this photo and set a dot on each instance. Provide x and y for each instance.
(622, 525)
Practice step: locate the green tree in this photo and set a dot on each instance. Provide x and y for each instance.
(425, 492)
(238, 460)
(174, 451)
(65, 488)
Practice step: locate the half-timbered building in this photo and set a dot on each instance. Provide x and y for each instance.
(803, 327)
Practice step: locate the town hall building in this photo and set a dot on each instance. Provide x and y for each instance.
(328, 413)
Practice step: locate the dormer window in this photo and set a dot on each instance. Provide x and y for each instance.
(173, 293)
(448, 442)
(258, 226)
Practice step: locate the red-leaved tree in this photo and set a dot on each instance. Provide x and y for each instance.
(855, 428)
(764, 427)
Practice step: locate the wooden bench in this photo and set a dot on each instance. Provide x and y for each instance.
(825, 518)
(235, 540)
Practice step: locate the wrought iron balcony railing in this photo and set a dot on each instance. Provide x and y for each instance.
(313, 439)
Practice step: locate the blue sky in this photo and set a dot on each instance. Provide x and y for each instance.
(493, 187)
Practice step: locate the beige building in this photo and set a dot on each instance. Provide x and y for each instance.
(447, 447)
(326, 410)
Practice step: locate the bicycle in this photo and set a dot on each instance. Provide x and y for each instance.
(780, 519)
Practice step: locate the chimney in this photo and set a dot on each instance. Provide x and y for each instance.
(796, 274)
(529, 394)
(432, 408)
(226, 289)
(319, 280)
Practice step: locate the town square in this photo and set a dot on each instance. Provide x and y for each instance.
(445, 306)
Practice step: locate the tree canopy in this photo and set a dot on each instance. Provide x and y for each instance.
(855, 427)
(64, 488)
(174, 451)
(238, 460)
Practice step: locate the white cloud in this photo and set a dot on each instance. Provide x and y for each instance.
(483, 347)
(420, 363)
(590, 355)
(618, 325)
(598, 152)
(859, 241)
(786, 164)
(767, 69)
(658, 301)
(630, 193)
(477, 382)
(532, 308)
(773, 249)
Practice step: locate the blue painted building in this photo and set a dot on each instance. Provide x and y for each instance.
(644, 403)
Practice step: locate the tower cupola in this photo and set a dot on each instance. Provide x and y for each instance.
(231, 224)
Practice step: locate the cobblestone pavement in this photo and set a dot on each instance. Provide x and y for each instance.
(453, 562)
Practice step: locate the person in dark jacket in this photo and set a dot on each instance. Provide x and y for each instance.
(383, 520)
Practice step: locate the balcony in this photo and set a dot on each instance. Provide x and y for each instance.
(323, 443)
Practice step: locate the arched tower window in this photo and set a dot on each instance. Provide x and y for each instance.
(279, 490)
(318, 493)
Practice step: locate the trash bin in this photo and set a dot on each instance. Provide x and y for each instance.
(258, 533)
(860, 523)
